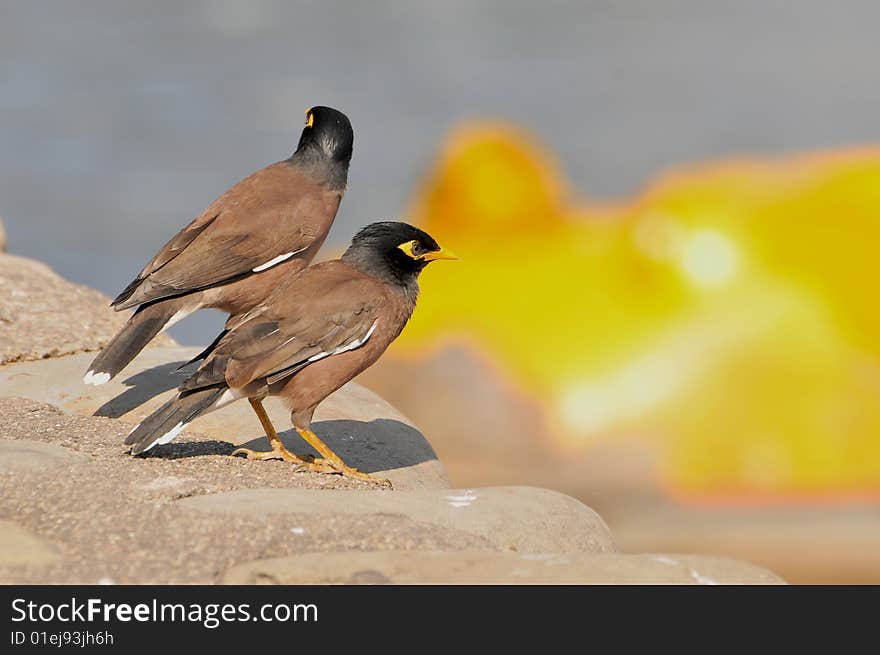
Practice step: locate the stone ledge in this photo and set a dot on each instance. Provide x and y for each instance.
(496, 568)
(363, 429)
(113, 516)
(20, 547)
(524, 519)
(28, 455)
(43, 315)
(158, 521)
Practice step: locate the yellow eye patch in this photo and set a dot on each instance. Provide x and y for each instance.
(429, 256)
(310, 118)
(407, 248)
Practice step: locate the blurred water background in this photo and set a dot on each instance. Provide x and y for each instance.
(122, 121)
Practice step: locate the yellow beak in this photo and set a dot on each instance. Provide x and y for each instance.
(443, 253)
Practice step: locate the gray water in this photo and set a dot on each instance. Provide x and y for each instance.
(120, 121)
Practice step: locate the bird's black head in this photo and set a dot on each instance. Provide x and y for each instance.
(327, 134)
(394, 251)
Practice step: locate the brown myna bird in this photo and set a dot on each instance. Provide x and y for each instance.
(261, 231)
(316, 332)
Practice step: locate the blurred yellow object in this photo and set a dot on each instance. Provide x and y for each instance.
(728, 314)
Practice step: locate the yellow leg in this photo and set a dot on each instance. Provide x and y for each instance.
(278, 450)
(333, 461)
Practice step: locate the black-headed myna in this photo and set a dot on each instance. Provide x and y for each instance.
(316, 332)
(259, 232)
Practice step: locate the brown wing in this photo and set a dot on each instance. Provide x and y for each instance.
(325, 310)
(275, 211)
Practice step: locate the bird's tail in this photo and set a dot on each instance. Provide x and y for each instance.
(141, 328)
(171, 418)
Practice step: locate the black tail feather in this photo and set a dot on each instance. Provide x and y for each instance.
(142, 327)
(160, 426)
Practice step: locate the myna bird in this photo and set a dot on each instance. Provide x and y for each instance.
(262, 230)
(316, 332)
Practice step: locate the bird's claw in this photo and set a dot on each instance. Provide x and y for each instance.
(278, 453)
(339, 468)
(316, 465)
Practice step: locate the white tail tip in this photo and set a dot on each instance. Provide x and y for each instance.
(96, 378)
(168, 436)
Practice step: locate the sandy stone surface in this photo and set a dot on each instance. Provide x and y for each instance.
(112, 517)
(19, 547)
(358, 425)
(27, 455)
(192, 514)
(523, 519)
(44, 315)
(472, 567)
(76, 508)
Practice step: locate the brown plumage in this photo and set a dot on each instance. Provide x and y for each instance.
(259, 232)
(317, 331)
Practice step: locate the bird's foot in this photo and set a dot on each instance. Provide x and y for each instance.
(277, 452)
(317, 465)
(338, 467)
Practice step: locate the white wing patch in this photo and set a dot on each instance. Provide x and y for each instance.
(357, 343)
(277, 260)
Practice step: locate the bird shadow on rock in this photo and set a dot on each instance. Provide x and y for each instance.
(379, 445)
(186, 449)
(144, 386)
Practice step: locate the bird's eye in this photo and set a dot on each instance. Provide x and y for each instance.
(412, 249)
